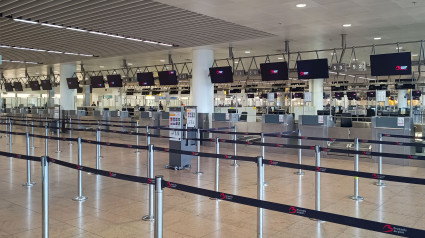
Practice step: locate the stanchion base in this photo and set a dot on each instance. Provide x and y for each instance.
(358, 198)
(33, 147)
(200, 172)
(100, 157)
(314, 219)
(266, 184)
(80, 198)
(301, 173)
(380, 184)
(30, 184)
(148, 218)
(58, 151)
(235, 165)
(215, 199)
(136, 151)
(70, 143)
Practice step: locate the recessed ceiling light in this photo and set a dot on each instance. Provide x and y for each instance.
(130, 64)
(280, 58)
(346, 25)
(101, 66)
(377, 38)
(300, 5)
(162, 60)
(247, 52)
(399, 48)
(415, 55)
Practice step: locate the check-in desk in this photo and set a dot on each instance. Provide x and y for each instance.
(164, 116)
(103, 117)
(394, 126)
(149, 118)
(273, 123)
(314, 126)
(120, 119)
(221, 120)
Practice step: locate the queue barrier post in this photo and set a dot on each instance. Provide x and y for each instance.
(10, 137)
(263, 153)
(98, 149)
(70, 130)
(356, 196)
(148, 136)
(28, 183)
(46, 142)
(45, 196)
(300, 155)
(379, 182)
(158, 206)
(317, 182)
(26, 123)
(58, 135)
(32, 137)
(217, 166)
(137, 136)
(198, 143)
(7, 127)
(235, 162)
(260, 195)
(80, 196)
(100, 139)
(150, 173)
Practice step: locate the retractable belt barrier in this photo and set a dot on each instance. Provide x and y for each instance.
(288, 209)
(299, 211)
(404, 136)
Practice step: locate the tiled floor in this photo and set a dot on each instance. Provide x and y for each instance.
(114, 208)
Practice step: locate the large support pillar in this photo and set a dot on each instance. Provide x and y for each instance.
(316, 89)
(87, 94)
(201, 88)
(402, 98)
(67, 100)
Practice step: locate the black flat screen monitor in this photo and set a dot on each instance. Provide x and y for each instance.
(72, 83)
(391, 64)
(46, 84)
(351, 95)
(8, 87)
(114, 80)
(274, 71)
(97, 82)
(298, 95)
(250, 95)
(371, 94)
(313, 69)
(167, 77)
(145, 79)
(35, 86)
(221, 74)
(404, 86)
(18, 86)
(416, 93)
(339, 95)
(387, 93)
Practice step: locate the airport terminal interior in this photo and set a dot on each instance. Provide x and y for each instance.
(212, 118)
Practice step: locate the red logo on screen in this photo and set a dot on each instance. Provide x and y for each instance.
(400, 67)
(171, 72)
(274, 71)
(219, 71)
(387, 228)
(303, 73)
(292, 210)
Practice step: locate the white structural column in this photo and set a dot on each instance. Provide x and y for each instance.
(201, 88)
(316, 89)
(67, 99)
(402, 98)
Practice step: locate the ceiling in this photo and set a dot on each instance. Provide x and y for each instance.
(258, 26)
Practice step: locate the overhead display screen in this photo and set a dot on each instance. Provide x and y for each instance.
(97, 82)
(416, 93)
(18, 86)
(34, 85)
(313, 69)
(8, 87)
(145, 79)
(221, 75)
(351, 94)
(167, 77)
(46, 85)
(391, 64)
(72, 83)
(371, 94)
(339, 95)
(274, 71)
(114, 81)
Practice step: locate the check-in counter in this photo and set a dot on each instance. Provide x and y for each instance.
(103, 117)
(224, 120)
(314, 126)
(120, 119)
(394, 126)
(272, 123)
(149, 118)
(164, 116)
